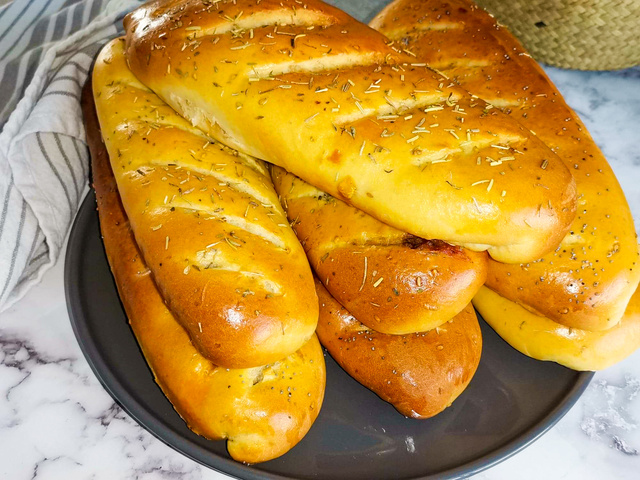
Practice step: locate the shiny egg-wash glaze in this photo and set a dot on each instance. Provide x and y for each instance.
(544, 339)
(588, 280)
(391, 281)
(420, 374)
(306, 87)
(209, 225)
(262, 412)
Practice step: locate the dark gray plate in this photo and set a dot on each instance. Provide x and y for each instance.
(511, 401)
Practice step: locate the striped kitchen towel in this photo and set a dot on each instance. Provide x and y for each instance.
(46, 51)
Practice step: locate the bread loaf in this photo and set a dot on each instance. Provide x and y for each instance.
(389, 280)
(587, 281)
(544, 339)
(209, 226)
(420, 374)
(308, 88)
(245, 406)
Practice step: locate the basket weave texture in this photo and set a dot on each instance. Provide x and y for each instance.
(579, 34)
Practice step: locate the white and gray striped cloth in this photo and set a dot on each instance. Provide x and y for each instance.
(46, 51)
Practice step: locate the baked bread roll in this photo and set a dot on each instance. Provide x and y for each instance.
(587, 281)
(389, 280)
(308, 88)
(420, 374)
(209, 226)
(245, 406)
(544, 339)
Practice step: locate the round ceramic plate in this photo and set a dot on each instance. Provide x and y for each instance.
(511, 401)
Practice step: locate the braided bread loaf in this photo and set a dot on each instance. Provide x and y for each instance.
(588, 280)
(304, 86)
(390, 281)
(209, 226)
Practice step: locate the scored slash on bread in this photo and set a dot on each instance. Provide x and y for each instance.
(588, 280)
(389, 280)
(305, 86)
(209, 225)
(262, 411)
(420, 374)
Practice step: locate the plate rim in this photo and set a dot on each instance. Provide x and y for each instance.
(167, 435)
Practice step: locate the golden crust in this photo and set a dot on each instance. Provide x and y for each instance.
(543, 339)
(312, 90)
(244, 406)
(209, 226)
(420, 374)
(390, 281)
(587, 281)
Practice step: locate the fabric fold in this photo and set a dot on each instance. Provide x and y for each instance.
(47, 50)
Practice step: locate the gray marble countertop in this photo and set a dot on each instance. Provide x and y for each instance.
(57, 422)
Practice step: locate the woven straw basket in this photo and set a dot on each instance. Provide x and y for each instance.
(580, 34)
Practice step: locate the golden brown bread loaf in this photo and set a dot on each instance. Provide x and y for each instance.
(389, 280)
(209, 226)
(587, 281)
(420, 374)
(262, 412)
(544, 339)
(308, 88)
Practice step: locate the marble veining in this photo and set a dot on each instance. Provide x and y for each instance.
(57, 422)
(608, 412)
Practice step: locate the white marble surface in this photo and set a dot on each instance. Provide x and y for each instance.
(56, 421)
